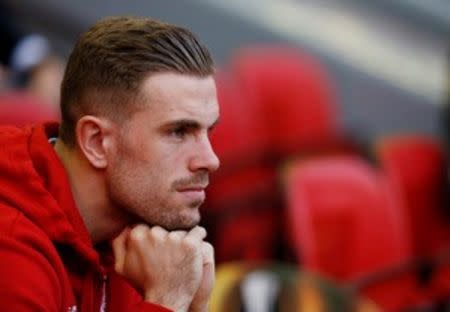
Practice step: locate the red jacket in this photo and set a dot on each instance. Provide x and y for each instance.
(47, 260)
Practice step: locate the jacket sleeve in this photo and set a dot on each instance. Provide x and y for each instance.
(27, 280)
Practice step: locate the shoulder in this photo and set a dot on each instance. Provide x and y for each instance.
(18, 233)
(28, 263)
(14, 225)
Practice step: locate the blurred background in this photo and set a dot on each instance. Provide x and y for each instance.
(333, 191)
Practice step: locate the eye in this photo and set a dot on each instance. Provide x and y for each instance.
(179, 132)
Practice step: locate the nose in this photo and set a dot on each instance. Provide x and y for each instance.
(204, 157)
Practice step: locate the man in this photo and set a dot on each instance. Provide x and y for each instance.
(131, 160)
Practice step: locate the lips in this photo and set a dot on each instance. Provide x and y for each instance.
(194, 193)
(192, 188)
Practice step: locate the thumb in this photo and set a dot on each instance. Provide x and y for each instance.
(119, 246)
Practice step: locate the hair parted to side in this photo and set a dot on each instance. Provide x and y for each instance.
(110, 61)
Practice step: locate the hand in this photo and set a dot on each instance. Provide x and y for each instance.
(201, 297)
(166, 267)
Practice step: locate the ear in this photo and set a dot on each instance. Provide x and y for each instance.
(93, 136)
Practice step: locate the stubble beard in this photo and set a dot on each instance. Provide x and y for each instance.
(154, 211)
(146, 205)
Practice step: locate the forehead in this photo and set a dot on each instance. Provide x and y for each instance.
(174, 96)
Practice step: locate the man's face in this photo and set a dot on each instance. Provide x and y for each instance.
(163, 155)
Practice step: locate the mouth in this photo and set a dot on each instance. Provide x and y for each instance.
(192, 188)
(195, 193)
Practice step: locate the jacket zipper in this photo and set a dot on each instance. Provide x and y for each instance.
(103, 302)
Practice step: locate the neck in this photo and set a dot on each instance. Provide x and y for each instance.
(89, 190)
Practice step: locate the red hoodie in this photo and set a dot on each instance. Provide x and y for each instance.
(47, 260)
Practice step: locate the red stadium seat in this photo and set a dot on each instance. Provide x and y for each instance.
(417, 166)
(294, 93)
(242, 136)
(276, 103)
(240, 144)
(349, 224)
(241, 205)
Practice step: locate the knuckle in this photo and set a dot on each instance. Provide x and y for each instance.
(176, 235)
(191, 244)
(138, 234)
(200, 230)
(157, 232)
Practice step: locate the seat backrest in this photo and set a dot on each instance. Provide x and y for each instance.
(241, 211)
(416, 164)
(294, 92)
(241, 136)
(348, 223)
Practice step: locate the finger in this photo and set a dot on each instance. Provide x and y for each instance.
(207, 253)
(208, 256)
(157, 232)
(138, 241)
(208, 277)
(138, 233)
(119, 249)
(197, 233)
(177, 235)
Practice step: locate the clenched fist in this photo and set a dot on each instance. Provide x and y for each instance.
(166, 267)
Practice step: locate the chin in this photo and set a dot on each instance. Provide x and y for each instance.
(183, 218)
(181, 226)
(186, 220)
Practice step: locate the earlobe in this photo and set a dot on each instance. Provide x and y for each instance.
(91, 135)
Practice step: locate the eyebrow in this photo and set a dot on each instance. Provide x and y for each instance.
(188, 123)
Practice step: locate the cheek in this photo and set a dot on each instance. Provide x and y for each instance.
(184, 152)
(154, 158)
(169, 157)
(178, 157)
